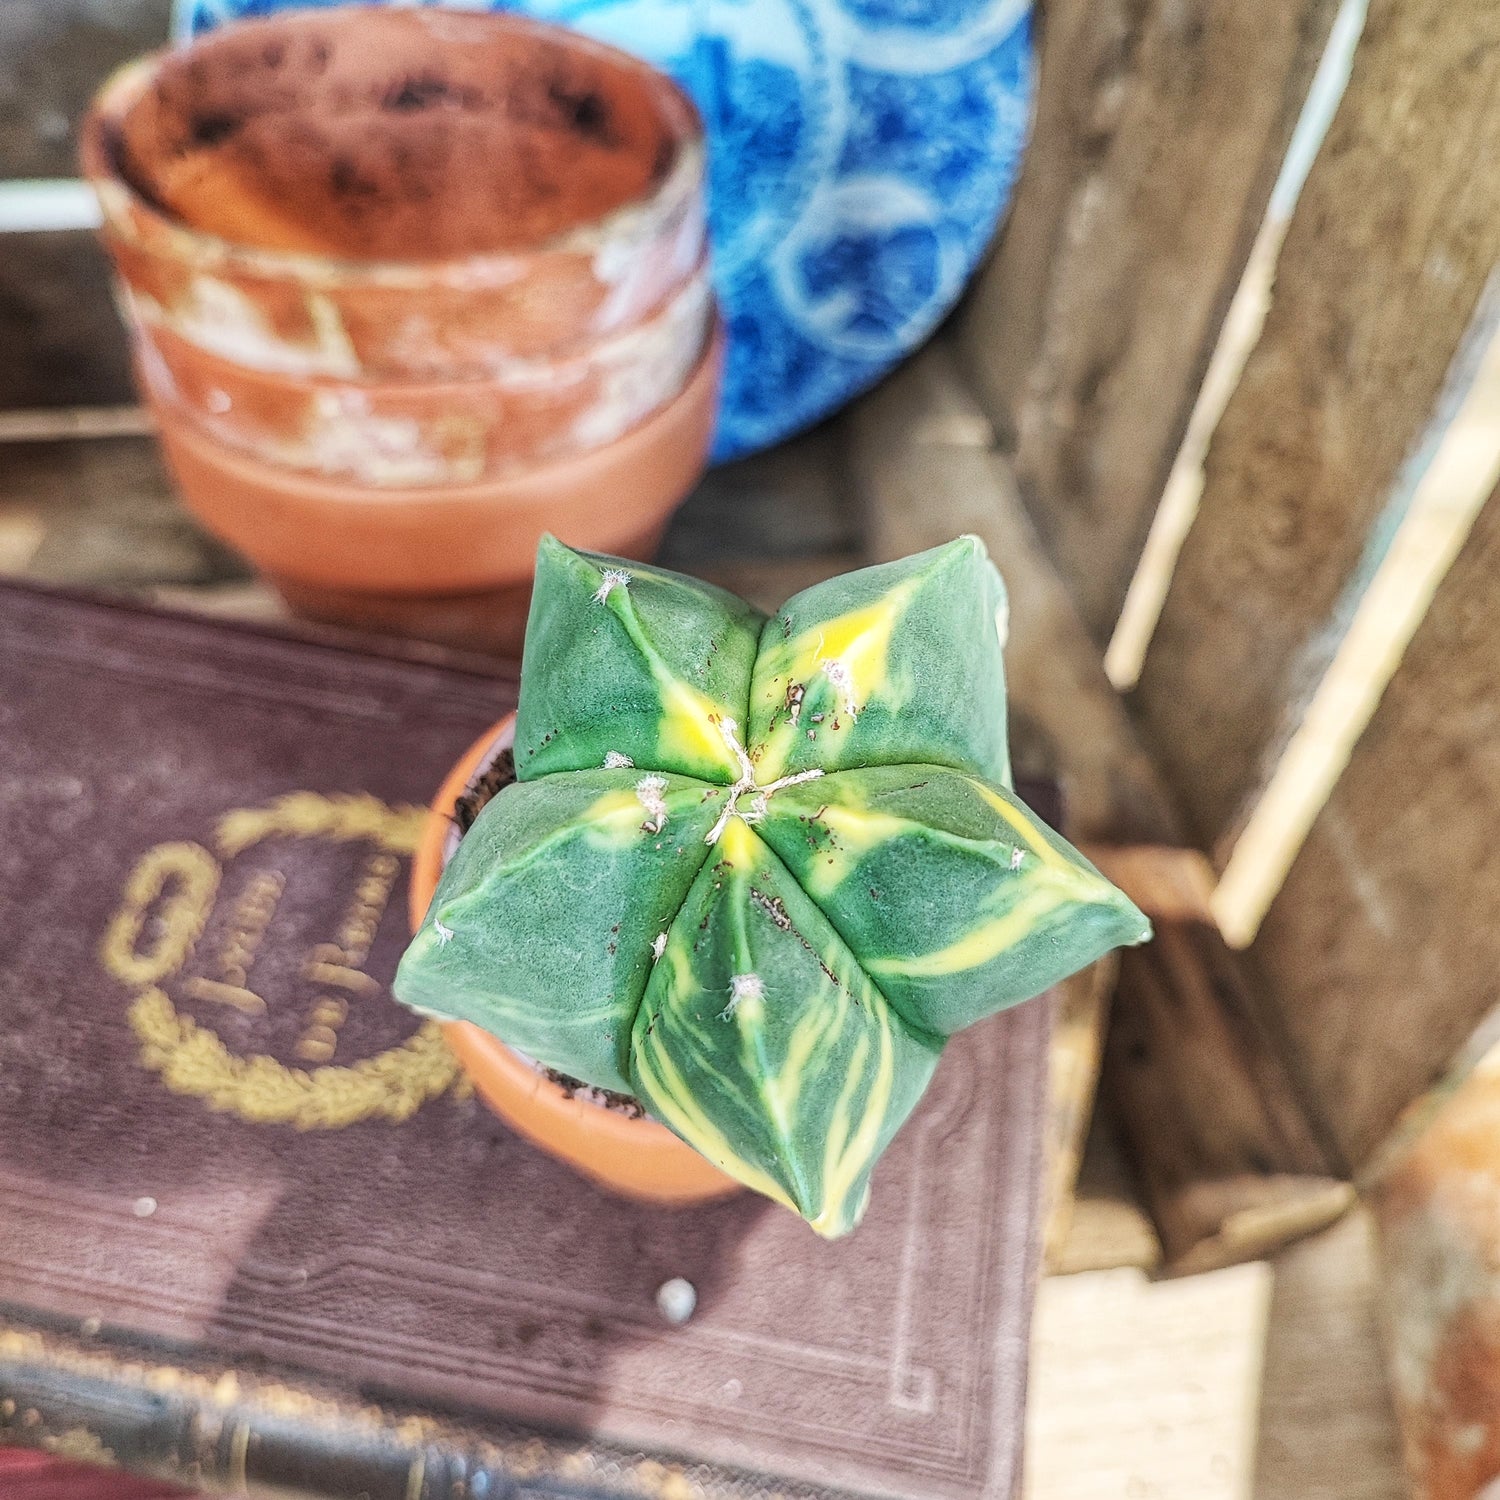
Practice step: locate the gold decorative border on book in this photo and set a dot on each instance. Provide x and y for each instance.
(260, 1090)
(193, 1060)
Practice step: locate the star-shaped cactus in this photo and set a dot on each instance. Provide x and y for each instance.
(755, 872)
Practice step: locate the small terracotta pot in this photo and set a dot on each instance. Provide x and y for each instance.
(379, 194)
(636, 1158)
(410, 289)
(396, 435)
(431, 561)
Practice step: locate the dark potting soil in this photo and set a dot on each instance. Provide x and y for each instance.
(500, 773)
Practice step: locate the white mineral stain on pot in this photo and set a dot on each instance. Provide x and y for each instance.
(220, 318)
(631, 253)
(154, 369)
(642, 371)
(343, 436)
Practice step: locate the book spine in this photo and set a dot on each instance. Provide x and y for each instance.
(151, 1430)
(226, 1432)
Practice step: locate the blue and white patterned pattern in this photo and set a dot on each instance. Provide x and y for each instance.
(861, 153)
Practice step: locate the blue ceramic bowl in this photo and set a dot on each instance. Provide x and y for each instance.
(861, 153)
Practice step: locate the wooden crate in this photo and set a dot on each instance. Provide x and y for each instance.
(1240, 340)
(1223, 405)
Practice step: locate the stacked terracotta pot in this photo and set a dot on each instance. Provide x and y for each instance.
(410, 288)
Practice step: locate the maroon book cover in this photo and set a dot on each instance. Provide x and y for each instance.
(29, 1475)
(253, 1226)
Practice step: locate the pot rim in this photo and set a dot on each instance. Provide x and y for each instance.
(521, 375)
(136, 220)
(635, 1136)
(530, 485)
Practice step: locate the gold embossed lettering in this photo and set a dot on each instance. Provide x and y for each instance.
(216, 993)
(247, 930)
(339, 965)
(329, 964)
(192, 1059)
(173, 887)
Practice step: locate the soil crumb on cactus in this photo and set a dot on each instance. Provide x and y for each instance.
(499, 774)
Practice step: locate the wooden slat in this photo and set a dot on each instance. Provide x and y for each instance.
(54, 424)
(1237, 338)
(53, 55)
(1145, 1389)
(1263, 1382)
(1228, 1161)
(1383, 946)
(1326, 1430)
(100, 513)
(1107, 1227)
(1427, 519)
(62, 341)
(1222, 1136)
(925, 468)
(1073, 1078)
(1160, 131)
(1393, 241)
(785, 504)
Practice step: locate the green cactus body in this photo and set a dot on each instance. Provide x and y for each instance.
(755, 871)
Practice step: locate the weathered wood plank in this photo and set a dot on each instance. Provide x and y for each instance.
(1160, 130)
(1325, 1427)
(47, 424)
(53, 55)
(100, 513)
(1260, 1383)
(1263, 1382)
(1146, 1389)
(1232, 1165)
(61, 336)
(1078, 1029)
(1228, 1162)
(789, 502)
(1392, 243)
(1107, 1226)
(62, 340)
(1432, 508)
(1238, 335)
(925, 469)
(1383, 945)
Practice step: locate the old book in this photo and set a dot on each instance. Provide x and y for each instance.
(254, 1228)
(26, 1474)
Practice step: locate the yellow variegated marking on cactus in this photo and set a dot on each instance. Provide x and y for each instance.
(1023, 826)
(690, 724)
(672, 1098)
(858, 644)
(785, 1088)
(847, 1156)
(856, 833)
(860, 640)
(988, 940)
(738, 844)
(614, 812)
(617, 818)
(689, 721)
